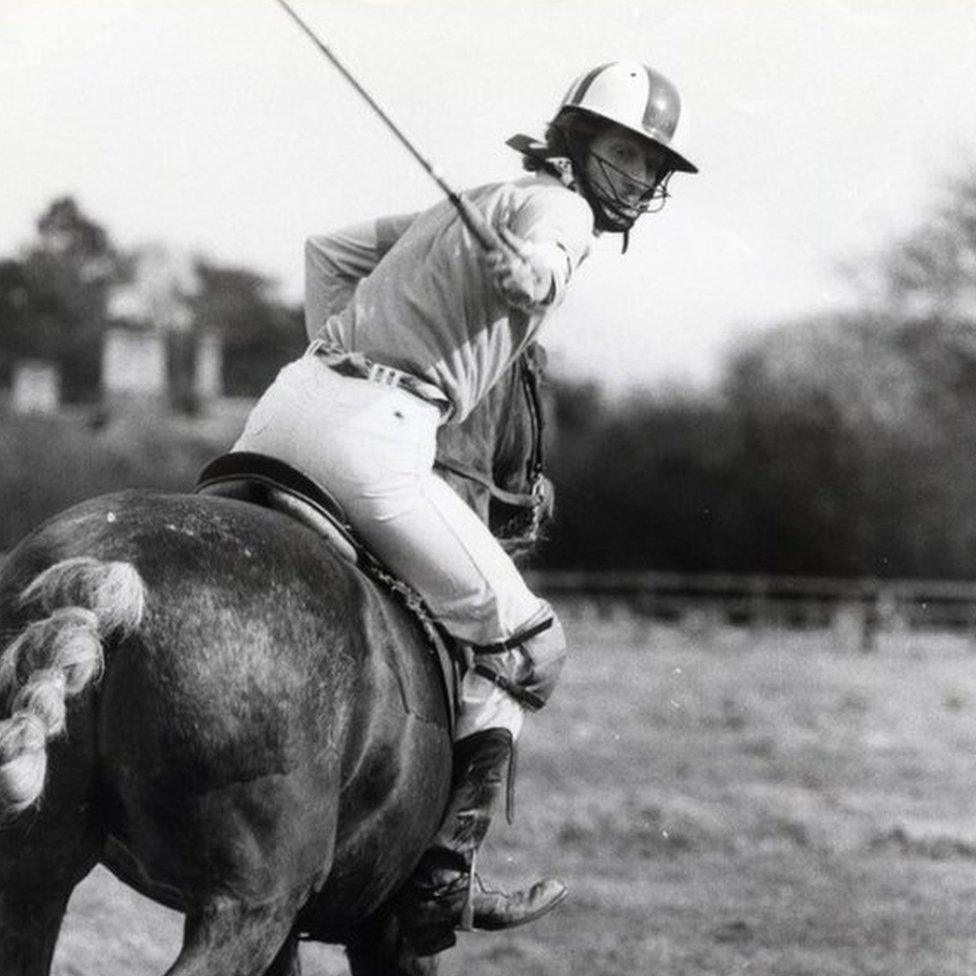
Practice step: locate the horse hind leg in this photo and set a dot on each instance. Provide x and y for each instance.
(226, 937)
(29, 927)
(47, 847)
(287, 962)
(41, 861)
(43, 855)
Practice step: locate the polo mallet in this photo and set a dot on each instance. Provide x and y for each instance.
(484, 235)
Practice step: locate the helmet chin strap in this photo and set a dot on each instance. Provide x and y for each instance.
(607, 219)
(625, 238)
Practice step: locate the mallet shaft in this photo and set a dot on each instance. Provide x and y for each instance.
(472, 220)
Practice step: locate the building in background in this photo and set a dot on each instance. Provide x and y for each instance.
(36, 387)
(160, 368)
(156, 357)
(134, 364)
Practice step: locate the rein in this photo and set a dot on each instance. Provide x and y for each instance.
(534, 498)
(518, 499)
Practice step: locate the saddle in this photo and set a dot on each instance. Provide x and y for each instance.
(266, 481)
(263, 480)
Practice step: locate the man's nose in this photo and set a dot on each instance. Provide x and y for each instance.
(632, 189)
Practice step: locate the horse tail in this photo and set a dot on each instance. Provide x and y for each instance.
(85, 601)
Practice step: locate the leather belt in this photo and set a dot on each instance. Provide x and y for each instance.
(357, 365)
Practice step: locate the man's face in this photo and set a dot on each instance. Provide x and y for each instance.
(624, 169)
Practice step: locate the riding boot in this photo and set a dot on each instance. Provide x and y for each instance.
(445, 892)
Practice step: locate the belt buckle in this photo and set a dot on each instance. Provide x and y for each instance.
(384, 375)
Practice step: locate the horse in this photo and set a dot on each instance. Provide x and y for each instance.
(240, 723)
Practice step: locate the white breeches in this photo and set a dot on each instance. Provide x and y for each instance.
(373, 447)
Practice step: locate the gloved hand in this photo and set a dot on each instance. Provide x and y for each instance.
(521, 274)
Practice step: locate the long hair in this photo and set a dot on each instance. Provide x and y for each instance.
(568, 135)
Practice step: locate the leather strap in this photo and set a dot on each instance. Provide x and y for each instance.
(516, 640)
(527, 698)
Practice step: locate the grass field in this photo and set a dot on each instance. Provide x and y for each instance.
(720, 802)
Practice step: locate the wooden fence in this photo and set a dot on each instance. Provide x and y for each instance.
(793, 601)
(790, 601)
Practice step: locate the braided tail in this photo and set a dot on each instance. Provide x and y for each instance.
(85, 601)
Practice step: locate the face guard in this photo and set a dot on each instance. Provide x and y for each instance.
(618, 209)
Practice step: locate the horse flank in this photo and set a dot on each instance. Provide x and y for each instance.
(86, 601)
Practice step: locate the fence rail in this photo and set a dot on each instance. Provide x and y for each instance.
(799, 601)
(803, 601)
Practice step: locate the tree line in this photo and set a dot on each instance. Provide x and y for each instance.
(834, 444)
(62, 291)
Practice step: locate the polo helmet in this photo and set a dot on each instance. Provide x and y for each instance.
(633, 96)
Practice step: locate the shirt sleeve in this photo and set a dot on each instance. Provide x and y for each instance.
(335, 263)
(560, 225)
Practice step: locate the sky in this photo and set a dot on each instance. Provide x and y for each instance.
(821, 129)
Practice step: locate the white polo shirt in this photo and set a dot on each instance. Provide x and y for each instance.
(413, 291)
